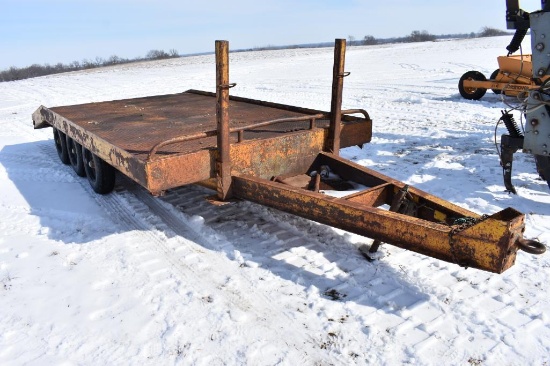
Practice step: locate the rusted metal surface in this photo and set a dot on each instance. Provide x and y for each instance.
(239, 130)
(433, 227)
(136, 125)
(396, 204)
(336, 101)
(223, 160)
(124, 132)
(382, 189)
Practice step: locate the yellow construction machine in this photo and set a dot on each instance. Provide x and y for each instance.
(527, 77)
(513, 78)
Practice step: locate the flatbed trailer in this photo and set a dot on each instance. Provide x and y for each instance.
(276, 155)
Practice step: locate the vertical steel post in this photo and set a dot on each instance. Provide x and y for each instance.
(223, 162)
(336, 101)
(395, 206)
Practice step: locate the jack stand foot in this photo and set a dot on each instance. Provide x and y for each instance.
(370, 256)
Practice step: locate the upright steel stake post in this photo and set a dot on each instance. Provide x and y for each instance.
(338, 75)
(223, 162)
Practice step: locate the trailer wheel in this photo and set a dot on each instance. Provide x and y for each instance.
(100, 174)
(61, 145)
(494, 78)
(543, 167)
(472, 93)
(74, 149)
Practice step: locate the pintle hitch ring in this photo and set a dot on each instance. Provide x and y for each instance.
(531, 246)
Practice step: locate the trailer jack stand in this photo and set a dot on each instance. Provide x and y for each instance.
(396, 206)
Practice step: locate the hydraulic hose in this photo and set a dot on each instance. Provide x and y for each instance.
(516, 41)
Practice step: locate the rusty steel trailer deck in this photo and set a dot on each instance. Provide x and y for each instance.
(167, 141)
(279, 156)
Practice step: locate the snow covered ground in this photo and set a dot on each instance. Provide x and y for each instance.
(132, 279)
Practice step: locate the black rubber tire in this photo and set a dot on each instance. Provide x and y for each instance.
(472, 93)
(74, 149)
(543, 167)
(61, 146)
(100, 174)
(494, 77)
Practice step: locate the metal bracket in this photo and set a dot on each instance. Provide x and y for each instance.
(508, 146)
(227, 86)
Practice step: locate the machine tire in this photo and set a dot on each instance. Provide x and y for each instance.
(74, 149)
(494, 77)
(543, 167)
(100, 174)
(61, 146)
(472, 93)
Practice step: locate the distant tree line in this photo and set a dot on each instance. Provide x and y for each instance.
(425, 36)
(415, 36)
(15, 73)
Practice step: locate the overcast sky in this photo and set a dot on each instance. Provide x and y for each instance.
(51, 31)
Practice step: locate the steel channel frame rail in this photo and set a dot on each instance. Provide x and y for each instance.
(509, 87)
(438, 228)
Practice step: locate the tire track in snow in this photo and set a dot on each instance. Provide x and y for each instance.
(188, 262)
(348, 280)
(193, 266)
(182, 257)
(412, 317)
(260, 303)
(233, 280)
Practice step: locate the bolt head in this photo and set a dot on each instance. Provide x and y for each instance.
(539, 46)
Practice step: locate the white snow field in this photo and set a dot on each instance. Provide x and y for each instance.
(130, 279)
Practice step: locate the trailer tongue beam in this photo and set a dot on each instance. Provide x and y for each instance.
(426, 224)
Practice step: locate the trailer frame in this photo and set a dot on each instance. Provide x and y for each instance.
(282, 157)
